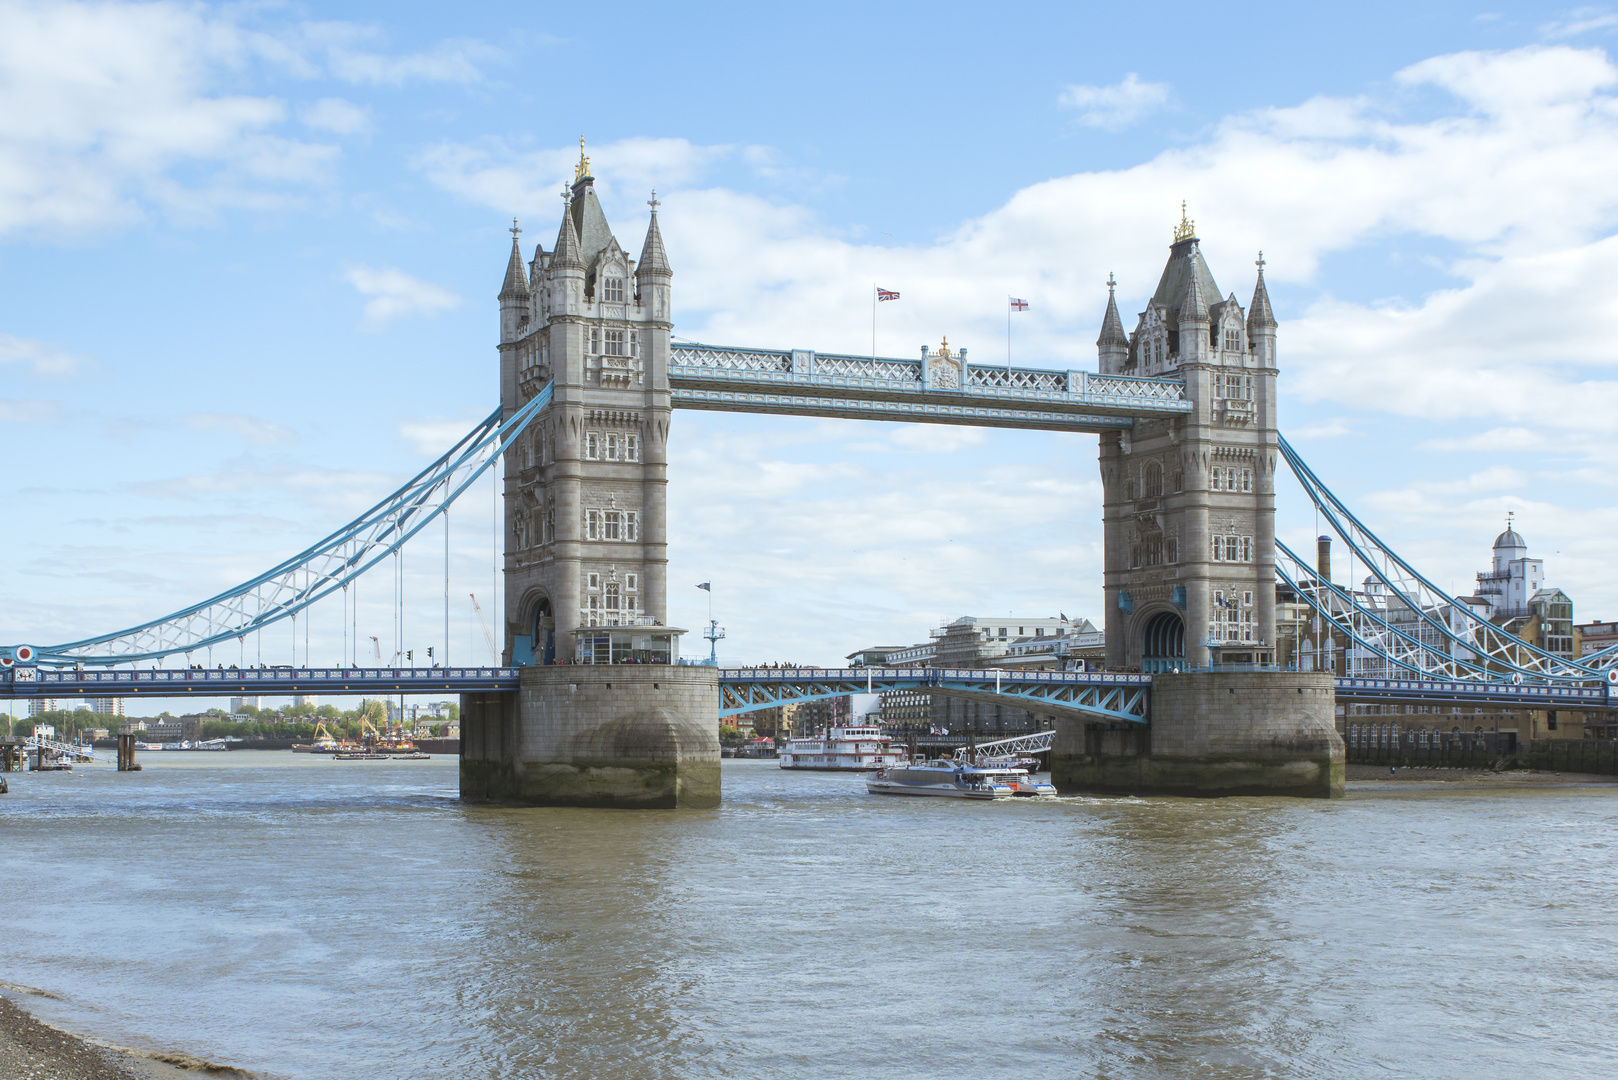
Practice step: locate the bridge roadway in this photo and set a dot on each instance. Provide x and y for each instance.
(1089, 695)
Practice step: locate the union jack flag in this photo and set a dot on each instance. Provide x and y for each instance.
(1018, 305)
(886, 294)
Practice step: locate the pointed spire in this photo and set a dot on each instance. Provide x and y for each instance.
(1112, 327)
(515, 287)
(1259, 314)
(567, 241)
(653, 259)
(1194, 308)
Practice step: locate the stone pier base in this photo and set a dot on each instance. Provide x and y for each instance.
(633, 736)
(1213, 733)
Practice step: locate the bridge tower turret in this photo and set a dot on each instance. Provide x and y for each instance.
(1113, 344)
(1189, 503)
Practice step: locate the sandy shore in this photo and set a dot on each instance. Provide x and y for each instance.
(33, 1050)
(1474, 777)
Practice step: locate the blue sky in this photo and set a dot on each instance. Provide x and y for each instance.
(248, 258)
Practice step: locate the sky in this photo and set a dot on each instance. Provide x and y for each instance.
(249, 256)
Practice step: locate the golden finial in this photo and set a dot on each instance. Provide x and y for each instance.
(1186, 229)
(943, 350)
(582, 169)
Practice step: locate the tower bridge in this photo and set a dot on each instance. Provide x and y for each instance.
(588, 707)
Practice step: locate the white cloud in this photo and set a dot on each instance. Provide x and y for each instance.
(1117, 106)
(394, 293)
(29, 410)
(248, 428)
(1579, 21)
(1497, 440)
(432, 436)
(111, 111)
(337, 116)
(39, 358)
(344, 51)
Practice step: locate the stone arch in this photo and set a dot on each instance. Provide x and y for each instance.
(534, 638)
(1162, 638)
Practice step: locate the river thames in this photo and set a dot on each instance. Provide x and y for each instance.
(302, 917)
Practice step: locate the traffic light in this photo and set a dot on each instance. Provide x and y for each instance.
(429, 652)
(410, 655)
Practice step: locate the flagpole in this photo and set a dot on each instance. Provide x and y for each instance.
(873, 322)
(1008, 339)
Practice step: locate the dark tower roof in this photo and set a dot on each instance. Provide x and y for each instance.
(567, 243)
(1259, 315)
(516, 284)
(1184, 267)
(1112, 327)
(653, 259)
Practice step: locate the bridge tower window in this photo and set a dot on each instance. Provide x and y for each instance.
(611, 443)
(1247, 479)
(1233, 340)
(612, 290)
(615, 344)
(1179, 481)
(1217, 479)
(631, 447)
(1154, 480)
(592, 445)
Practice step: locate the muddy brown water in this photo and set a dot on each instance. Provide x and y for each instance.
(309, 918)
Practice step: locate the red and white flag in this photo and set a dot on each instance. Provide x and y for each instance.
(1018, 305)
(886, 294)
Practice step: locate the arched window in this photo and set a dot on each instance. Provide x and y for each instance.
(1179, 481)
(1154, 480)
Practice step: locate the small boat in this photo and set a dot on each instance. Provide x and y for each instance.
(359, 757)
(417, 756)
(1019, 773)
(949, 779)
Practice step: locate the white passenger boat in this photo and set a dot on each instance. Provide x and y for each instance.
(845, 749)
(949, 779)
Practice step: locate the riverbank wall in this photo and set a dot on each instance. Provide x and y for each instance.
(1385, 744)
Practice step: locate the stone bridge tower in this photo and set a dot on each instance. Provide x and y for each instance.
(1189, 525)
(585, 487)
(1189, 503)
(585, 540)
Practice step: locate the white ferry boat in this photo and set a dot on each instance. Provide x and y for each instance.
(845, 749)
(956, 779)
(949, 779)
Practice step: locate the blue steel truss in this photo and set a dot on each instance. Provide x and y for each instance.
(1370, 629)
(1501, 653)
(331, 564)
(1085, 694)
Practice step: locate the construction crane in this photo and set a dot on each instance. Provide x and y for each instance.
(494, 654)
